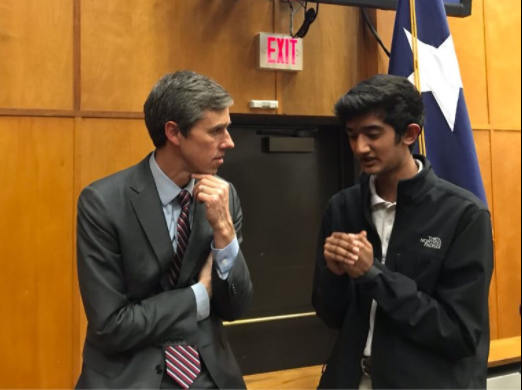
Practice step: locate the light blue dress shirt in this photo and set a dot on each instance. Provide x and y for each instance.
(224, 259)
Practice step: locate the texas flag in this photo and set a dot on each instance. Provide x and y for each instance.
(449, 137)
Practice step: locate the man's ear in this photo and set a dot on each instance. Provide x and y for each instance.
(173, 133)
(411, 135)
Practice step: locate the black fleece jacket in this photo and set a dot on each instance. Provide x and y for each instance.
(432, 323)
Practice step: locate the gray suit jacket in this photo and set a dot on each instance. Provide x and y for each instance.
(124, 250)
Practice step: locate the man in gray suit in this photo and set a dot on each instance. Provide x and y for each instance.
(159, 261)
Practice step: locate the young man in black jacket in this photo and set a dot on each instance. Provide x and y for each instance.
(405, 259)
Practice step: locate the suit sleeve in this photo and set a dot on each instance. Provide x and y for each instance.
(232, 296)
(331, 293)
(117, 324)
(451, 321)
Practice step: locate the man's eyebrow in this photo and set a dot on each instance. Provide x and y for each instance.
(373, 127)
(366, 128)
(221, 126)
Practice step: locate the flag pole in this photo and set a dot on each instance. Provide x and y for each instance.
(416, 68)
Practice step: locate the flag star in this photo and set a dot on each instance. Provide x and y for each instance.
(440, 74)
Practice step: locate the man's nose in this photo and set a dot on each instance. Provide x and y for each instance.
(227, 143)
(361, 146)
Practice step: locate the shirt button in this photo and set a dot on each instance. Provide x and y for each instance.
(225, 262)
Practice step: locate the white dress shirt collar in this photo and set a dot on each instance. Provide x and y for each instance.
(375, 199)
(167, 189)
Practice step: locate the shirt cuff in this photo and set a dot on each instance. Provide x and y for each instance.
(202, 301)
(225, 258)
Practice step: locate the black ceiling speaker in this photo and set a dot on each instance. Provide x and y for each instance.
(459, 8)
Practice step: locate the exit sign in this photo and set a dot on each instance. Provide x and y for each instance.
(280, 52)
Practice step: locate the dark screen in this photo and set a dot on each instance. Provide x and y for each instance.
(283, 197)
(284, 178)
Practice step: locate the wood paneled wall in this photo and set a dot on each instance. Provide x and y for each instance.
(128, 44)
(338, 53)
(36, 249)
(74, 75)
(36, 62)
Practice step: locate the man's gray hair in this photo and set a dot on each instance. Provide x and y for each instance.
(182, 97)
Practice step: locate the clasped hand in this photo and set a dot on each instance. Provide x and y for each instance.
(350, 254)
(214, 193)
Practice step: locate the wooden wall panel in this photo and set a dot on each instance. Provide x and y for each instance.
(507, 192)
(36, 66)
(127, 45)
(468, 35)
(331, 53)
(385, 25)
(483, 144)
(36, 214)
(503, 55)
(106, 146)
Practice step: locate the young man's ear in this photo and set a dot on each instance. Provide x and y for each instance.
(412, 134)
(173, 133)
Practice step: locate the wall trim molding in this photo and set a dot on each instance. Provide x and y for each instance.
(60, 113)
(270, 319)
(70, 114)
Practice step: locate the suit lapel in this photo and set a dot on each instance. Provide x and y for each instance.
(149, 211)
(198, 248)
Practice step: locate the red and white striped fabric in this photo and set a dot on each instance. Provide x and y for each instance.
(183, 362)
(182, 236)
(183, 365)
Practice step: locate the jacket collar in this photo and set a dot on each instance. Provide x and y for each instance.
(409, 190)
(148, 208)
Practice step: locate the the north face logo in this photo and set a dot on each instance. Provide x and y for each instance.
(432, 242)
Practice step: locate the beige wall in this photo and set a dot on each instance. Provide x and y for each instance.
(73, 77)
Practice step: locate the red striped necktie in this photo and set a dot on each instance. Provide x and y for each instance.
(183, 362)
